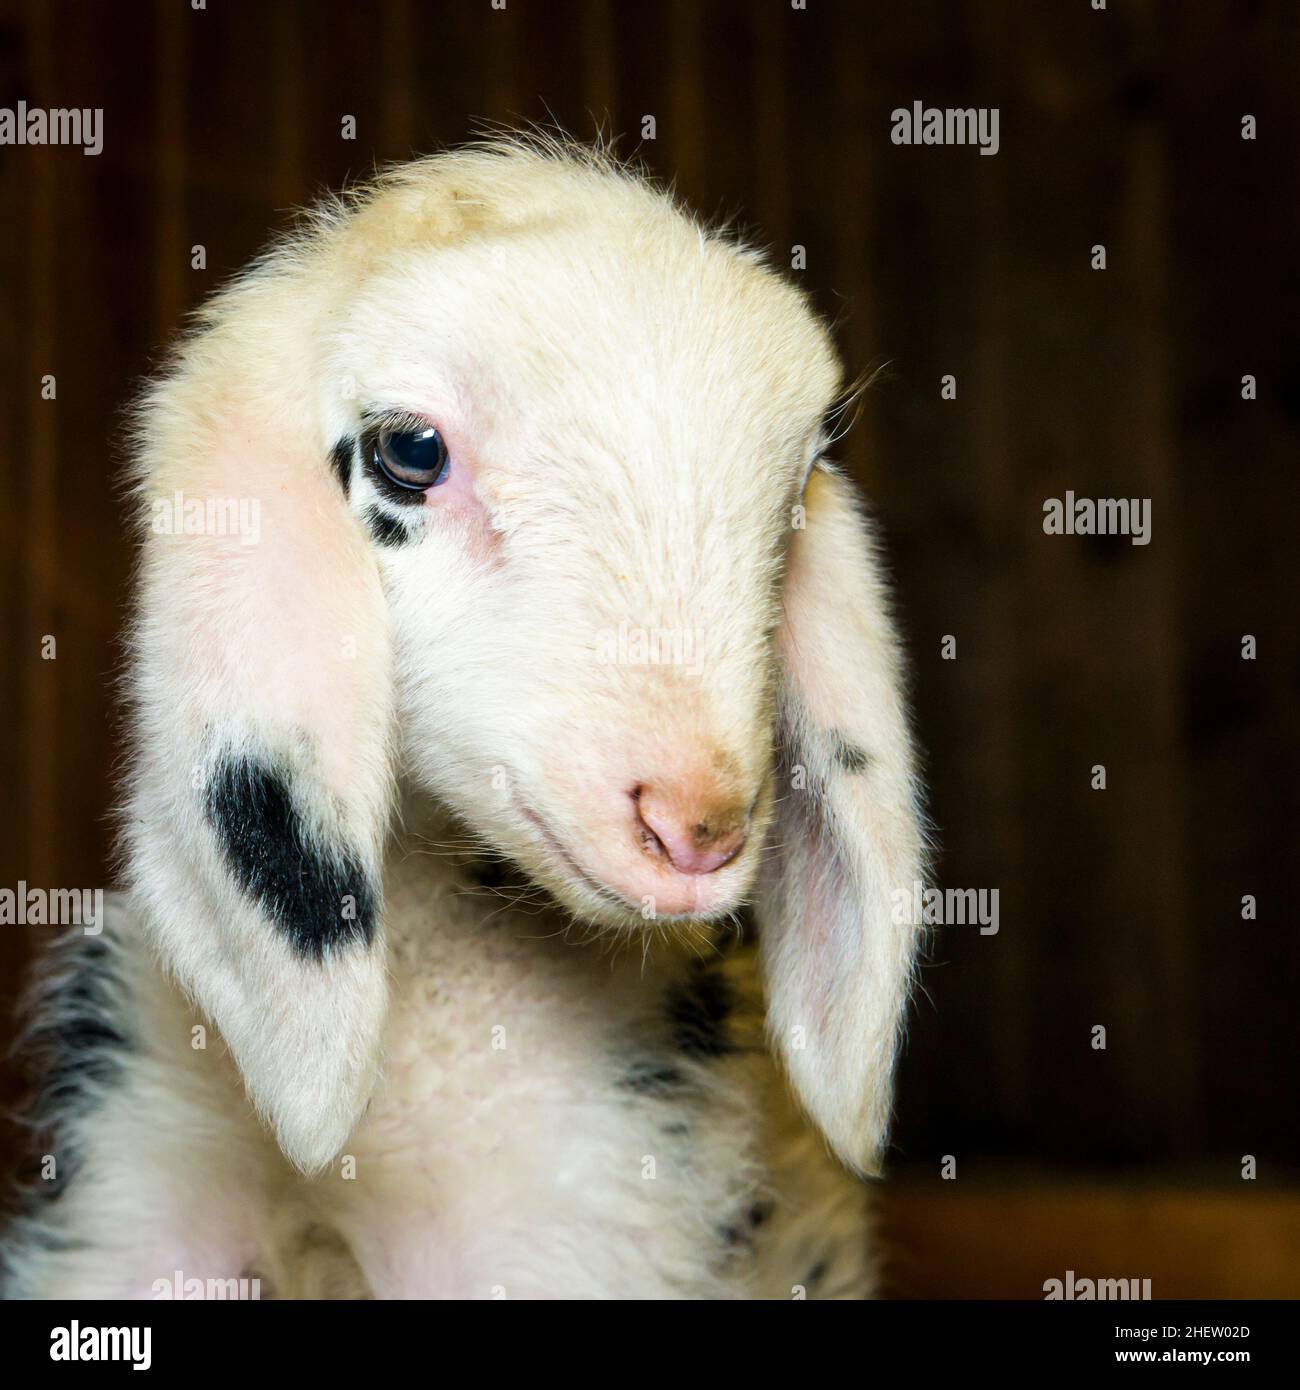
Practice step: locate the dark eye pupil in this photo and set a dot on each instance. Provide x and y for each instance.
(414, 459)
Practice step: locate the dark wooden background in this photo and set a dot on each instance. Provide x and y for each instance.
(1122, 127)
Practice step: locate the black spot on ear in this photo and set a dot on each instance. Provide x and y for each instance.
(816, 1274)
(385, 529)
(318, 896)
(698, 1010)
(848, 755)
(341, 462)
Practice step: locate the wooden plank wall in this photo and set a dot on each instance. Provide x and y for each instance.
(1005, 1240)
(1121, 127)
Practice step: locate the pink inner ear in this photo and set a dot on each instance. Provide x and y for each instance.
(837, 653)
(287, 631)
(830, 916)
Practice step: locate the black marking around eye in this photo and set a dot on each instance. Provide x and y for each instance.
(698, 1010)
(384, 485)
(387, 530)
(848, 756)
(341, 462)
(320, 897)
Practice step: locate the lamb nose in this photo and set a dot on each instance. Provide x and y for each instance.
(695, 839)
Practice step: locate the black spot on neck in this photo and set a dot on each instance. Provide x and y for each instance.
(739, 1235)
(318, 895)
(652, 1078)
(77, 1042)
(341, 456)
(698, 1010)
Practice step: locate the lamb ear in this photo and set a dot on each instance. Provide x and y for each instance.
(835, 925)
(261, 687)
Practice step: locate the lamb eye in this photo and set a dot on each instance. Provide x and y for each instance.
(415, 459)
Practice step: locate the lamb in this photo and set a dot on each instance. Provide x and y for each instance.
(468, 948)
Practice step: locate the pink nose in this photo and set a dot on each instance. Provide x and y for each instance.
(693, 837)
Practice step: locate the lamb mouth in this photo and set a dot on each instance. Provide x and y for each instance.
(560, 851)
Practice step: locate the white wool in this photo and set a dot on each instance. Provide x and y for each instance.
(632, 404)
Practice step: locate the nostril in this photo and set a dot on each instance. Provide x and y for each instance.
(691, 843)
(650, 841)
